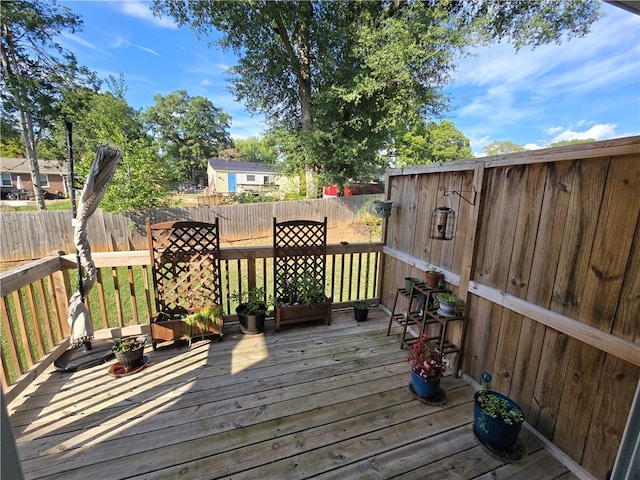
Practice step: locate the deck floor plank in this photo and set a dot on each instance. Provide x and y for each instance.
(315, 401)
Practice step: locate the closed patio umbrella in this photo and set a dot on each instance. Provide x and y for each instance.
(19, 184)
(102, 170)
(80, 325)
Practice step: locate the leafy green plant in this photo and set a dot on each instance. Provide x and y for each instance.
(310, 290)
(495, 406)
(128, 344)
(252, 301)
(305, 289)
(361, 305)
(449, 298)
(201, 322)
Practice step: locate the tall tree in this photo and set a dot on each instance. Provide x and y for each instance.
(502, 147)
(188, 130)
(36, 70)
(435, 142)
(339, 76)
(141, 179)
(259, 150)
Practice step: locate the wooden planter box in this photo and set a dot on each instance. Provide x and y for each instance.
(288, 315)
(175, 329)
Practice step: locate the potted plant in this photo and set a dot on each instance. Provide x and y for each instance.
(449, 304)
(360, 310)
(496, 418)
(251, 309)
(128, 351)
(208, 320)
(302, 299)
(432, 278)
(427, 367)
(408, 283)
(382, 208)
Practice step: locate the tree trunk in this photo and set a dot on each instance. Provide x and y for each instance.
(10, 66)
(28, 136)
(301, 64)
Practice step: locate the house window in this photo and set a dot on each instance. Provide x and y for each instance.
(251, 178)
(6, 179)
(44, 180)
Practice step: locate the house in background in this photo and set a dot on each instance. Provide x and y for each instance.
(227, 176)
(16, 178)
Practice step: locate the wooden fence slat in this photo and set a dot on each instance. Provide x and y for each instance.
(596, 338)
(48, 328)
(117, 295)
(10, 333)
(33, 311)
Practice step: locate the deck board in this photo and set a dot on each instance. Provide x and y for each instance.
(315, 401)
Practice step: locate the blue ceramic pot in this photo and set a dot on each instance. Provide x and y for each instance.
(494, 432)
(425, 388)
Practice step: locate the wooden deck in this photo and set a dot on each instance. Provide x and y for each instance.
(314, 401)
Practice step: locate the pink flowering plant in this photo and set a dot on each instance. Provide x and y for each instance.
(425, 359)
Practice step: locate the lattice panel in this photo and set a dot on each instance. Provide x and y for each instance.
(186, 265)
(300, 247)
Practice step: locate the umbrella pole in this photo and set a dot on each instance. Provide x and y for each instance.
(72, 194)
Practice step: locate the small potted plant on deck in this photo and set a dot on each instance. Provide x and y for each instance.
(427, 367)
(432, 278)
(496, 418)
(360, 310)
(448, 304)
(251, 309)
(129, 351)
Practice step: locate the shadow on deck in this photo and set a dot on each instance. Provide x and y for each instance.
(311, 401)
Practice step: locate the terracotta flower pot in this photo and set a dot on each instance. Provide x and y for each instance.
(433, 279)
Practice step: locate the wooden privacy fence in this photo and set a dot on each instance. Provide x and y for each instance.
(33, 235)
(547, 259)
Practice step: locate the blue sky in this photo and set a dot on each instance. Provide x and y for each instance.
(586, 88)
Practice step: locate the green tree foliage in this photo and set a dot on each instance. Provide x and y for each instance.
(188, 130)
(337, 78)
(502, 147)
(573, 141)
(36, 71)
(141, 179)
(259, 150)
(11, 144)
(436, 142)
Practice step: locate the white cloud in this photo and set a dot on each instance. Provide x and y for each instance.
(553, 130)
(532, 146)
(597, 132)
(141, 10)
(121, 41)
(84, 43)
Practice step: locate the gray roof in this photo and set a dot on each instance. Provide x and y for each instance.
(232, 166)
(21, 165)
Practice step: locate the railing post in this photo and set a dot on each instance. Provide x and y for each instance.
(61, 290)
(251, 270)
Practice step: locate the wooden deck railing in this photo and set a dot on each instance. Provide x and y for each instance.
(34, 298)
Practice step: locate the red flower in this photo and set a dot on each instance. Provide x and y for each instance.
(425, 359)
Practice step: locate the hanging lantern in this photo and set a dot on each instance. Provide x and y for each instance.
(443, 223)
